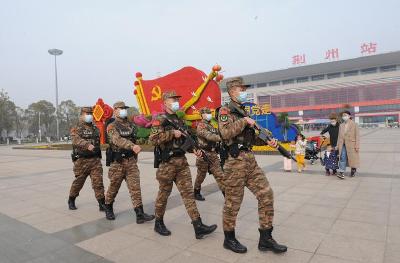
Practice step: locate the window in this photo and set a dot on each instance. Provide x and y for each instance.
(287, 81)
(369, 70)
(388, 68)
(350, 73)
(261, 85)
(334, 75)
(274, 83)
(317, 77)
(303, 79)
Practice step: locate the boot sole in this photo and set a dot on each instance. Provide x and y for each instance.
(237, 251)
(163, 234)
(143, 220)
(266, 249)
(200, 236)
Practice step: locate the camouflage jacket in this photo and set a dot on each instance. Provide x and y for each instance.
(207, 135)
(121, 135)
(84, 135)
(163, 135)
(233, 127)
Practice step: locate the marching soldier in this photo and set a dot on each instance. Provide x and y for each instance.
(174, 168)
(208, 138)
(241, 169)
(122, 139)
(86, 155)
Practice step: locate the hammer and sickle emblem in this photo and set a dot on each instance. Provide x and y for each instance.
(156, 93)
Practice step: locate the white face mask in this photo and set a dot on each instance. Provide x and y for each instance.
(88, 118)
(333, 123)
(345, 117)
(208, 116)
(175, 106)
(123, 113)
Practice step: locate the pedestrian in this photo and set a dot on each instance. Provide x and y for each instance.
(174, 167)
(86, 156)
(287, 162)
(122, 140)
(332, 129)
(349, 145)
(208, 138)
(330, 160)
(300, 152)
(241, 170)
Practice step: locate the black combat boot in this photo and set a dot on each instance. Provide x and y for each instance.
(353, 172)
(109, 211)
(101, 204)
(71, 203)
(267, 242)
(141, 216)
(198, 196)
(232, 243)
(160, 227)
(200, 229)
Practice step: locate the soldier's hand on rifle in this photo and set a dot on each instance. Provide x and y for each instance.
(273, 143)
(250, 121)
(198, 153)
(177, 133)
(136, 148)
(91, 147)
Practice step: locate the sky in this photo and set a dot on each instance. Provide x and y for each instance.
(106, 42)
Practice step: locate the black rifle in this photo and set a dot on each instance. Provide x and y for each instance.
(266, 136)
(190, 142)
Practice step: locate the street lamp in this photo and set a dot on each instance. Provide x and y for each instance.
(55, 53)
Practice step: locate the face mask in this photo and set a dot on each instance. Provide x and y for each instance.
(88, 118)
(345, 117)
(333, 123)
(242, 96)
(123, 113)
(175, 106)
(208, 116)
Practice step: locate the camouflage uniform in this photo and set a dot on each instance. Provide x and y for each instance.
(121, 135)
(208, 137)
(242, 170)
(86, 163)
(175, 169)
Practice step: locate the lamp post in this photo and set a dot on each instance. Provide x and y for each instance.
(55, 53)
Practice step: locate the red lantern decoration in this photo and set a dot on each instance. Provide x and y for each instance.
(138, 75)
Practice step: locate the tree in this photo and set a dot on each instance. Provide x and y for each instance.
(68, 115)
(46, 111)
(7, 113)
(283, 119)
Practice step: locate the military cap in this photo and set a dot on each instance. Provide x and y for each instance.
(87, 109)
(120, 105)
(235, 82)
(170, 94)
(205, 110)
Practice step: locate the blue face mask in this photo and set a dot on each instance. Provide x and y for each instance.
(175, 106)
(242, 96)
(123, 113)
(88, 118)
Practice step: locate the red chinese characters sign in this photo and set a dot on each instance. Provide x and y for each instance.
(299, 59)
(368, 48)
(332, 54)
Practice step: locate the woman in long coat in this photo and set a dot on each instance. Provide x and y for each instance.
(349, 145)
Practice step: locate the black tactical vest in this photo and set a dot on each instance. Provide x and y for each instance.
(128, 132)
(91, 134)
(175, 144)
(247, 137)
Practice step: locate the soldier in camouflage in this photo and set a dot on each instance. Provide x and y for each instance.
(174, 168)
(86, 156)
(122, 140)
(241, 170)
(208, 138)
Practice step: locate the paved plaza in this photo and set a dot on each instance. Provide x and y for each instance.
(320, 218)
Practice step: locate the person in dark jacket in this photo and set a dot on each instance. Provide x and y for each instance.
(332, 129)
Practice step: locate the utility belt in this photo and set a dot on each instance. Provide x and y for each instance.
(235, 149)
(118, 156)
(167, 155)
(86, 155)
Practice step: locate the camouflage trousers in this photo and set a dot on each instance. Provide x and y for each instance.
(213, 168)
(240, 172)
(175, 170)
(126, 170)
(84, 167)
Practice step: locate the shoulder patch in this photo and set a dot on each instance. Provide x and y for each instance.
(109, 127)
(223, 117)
(155, 123)
(224, 111)
(201, 125)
